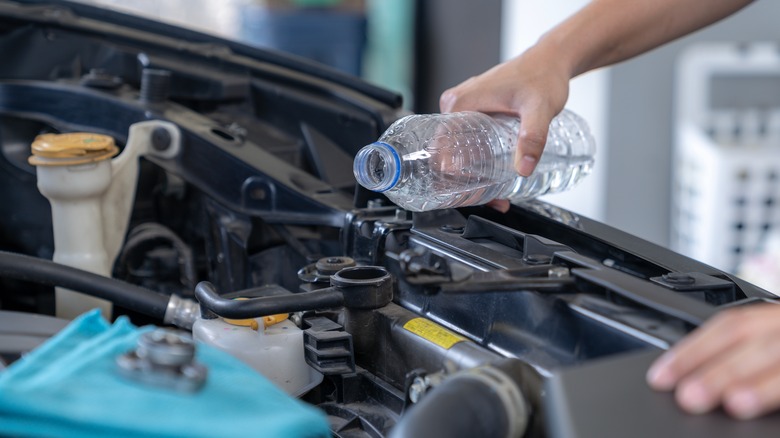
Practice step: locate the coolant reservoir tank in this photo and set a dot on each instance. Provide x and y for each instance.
(275, 351)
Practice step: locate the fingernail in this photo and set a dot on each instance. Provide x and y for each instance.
(743, 404)
(527, 165)
(695, 398)
(660, 376)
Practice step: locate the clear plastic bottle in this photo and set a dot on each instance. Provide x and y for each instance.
(433, 161)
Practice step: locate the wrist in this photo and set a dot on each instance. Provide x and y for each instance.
(555, 49)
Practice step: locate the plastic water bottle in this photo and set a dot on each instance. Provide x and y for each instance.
(433, 161)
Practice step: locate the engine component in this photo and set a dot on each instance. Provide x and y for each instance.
(46, 272)
(481, 401)
(147, 257)
(70, 387)
(91, 198)
(317, 275)
(363, 287)
(275, 352)
(259, 191)
(329, 351)
(164, 358)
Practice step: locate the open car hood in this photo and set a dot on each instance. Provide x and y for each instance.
(260, 192)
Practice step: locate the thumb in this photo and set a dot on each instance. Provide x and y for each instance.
(531, 140)
(447, 100)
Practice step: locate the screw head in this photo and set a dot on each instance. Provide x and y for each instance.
(161, 139)
(417, 389)
(558, 272)
(166, 347)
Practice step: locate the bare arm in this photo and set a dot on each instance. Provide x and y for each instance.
(535, 85)
(608, 31)
(731, 361)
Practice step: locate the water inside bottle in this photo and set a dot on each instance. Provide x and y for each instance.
(463, 159)
(547, 178)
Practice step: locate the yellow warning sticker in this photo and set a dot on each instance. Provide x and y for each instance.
(433, 332)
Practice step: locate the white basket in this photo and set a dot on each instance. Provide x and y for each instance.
(726, 190)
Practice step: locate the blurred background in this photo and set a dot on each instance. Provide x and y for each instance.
(637, 109)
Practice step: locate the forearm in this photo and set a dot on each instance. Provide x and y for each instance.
(609, 31)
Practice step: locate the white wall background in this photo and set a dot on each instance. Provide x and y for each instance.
(523, 23)
(215, 17)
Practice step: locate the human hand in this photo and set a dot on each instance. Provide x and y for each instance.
(534, 87)
(733, 361)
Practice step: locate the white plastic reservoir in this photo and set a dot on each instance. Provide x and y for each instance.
(275, 351)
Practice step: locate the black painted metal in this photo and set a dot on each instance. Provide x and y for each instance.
(258, 191)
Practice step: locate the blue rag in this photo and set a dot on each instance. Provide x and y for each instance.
(69, 386)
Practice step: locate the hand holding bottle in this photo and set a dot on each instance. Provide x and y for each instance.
(521, 89)
(535, 85)
(432, 161)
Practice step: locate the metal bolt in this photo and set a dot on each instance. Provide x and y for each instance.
(164, 357)
(331, 265)
(402, 215)
(155, 85)
(558, 272)
(374, 203)
(161, 139)
(417, 389)
(166, 347)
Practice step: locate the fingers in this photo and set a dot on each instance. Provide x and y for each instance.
(711, 339)
(535, 122)
(704, 389)
(521, 88)
(532, 137)
(755, 397)
(501, 205)
(448, 100)
(733, 360)
(472, 95)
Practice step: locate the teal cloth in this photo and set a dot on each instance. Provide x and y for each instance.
(69, 387)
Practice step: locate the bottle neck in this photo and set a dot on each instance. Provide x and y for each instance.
(377, 167)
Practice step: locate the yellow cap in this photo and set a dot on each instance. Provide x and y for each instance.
(71, 149)
(268, 321)
(251, 323)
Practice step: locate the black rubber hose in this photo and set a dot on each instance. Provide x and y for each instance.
(149, 231)
(470, 404)
(129, 296)
(462, 408)
(211, 302)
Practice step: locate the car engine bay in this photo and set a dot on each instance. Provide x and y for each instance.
(243, 216)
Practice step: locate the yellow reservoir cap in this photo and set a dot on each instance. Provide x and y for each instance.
(71, 149)
(251, 323)
(268, 321)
